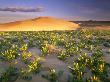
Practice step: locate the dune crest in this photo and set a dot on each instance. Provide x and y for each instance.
(39, 24)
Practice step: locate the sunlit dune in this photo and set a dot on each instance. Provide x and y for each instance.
(39, 24)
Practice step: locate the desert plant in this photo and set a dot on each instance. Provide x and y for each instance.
(11, 75)
(53, 76)
(62, 56)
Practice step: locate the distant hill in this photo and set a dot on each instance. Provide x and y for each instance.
(39, 24)
(93, 23)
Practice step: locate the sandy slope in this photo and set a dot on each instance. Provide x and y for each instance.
(103, 28)
(39, 24)
(100, 27)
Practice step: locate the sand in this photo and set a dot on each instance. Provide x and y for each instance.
(102, 28)
(39, 24)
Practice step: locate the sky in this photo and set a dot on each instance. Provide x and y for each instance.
(76, 10)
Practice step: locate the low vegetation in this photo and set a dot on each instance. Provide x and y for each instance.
(86, 48)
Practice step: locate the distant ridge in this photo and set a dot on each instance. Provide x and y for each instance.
(39, 24)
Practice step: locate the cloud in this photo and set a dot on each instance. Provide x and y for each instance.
(22, 9)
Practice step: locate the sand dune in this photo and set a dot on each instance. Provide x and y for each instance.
(39, 24)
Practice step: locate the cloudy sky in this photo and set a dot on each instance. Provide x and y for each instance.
(11, 10)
